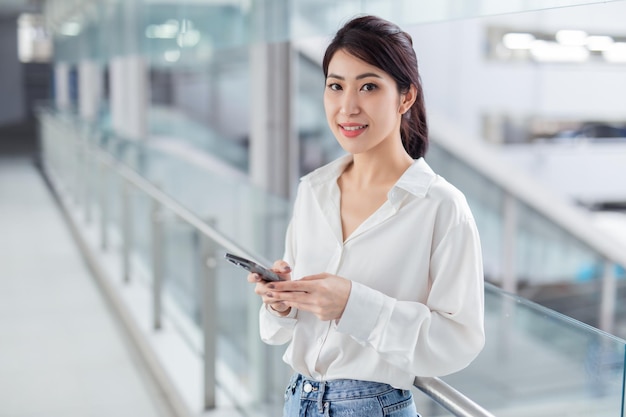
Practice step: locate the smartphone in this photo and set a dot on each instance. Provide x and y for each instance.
(250, 266)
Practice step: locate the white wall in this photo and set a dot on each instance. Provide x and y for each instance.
(575, 170)
(463, 84)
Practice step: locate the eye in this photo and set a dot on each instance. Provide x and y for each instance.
(369, 87)
(334, 86)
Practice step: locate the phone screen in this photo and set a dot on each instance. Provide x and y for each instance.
(251, 266)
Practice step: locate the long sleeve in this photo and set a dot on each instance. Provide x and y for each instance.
(440, 336)
(276, 330)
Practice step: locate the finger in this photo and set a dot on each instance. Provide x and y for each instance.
(254, 277)
(290, 297)
(290, 286)
(261, 288)
(281, 267)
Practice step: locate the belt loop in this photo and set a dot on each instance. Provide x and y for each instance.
(320, 396)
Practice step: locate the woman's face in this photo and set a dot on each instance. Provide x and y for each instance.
(362, 103)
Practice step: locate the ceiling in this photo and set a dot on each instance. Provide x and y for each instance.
(15, 7)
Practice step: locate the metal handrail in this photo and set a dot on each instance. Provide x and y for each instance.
(445, 395)
(440, 392)
(449, 398)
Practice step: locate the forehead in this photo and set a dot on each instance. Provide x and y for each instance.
(347, 65)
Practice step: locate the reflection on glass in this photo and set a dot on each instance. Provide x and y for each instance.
(537, 360)
(200, 77)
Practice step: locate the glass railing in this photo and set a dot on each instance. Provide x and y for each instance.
(528, 248)
(535, 362)
(187, 33)
(539, 362)
(199, 51)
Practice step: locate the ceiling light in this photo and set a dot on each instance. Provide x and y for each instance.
(518, 40)
(545, 51)
(70, 29)
(167, 30)
(571, 37)
(599, 43)
(188, 39)
(171, 55)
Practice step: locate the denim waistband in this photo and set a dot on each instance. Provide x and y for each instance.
(339, 389)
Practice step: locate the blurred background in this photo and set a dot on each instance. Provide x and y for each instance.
(168, 132)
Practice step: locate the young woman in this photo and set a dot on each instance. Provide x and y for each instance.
(382, 268)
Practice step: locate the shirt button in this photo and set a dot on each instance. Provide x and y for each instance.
(307, 387)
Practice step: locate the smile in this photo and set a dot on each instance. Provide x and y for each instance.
(353, 128)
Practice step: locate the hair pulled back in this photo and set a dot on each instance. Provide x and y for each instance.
(384, 45)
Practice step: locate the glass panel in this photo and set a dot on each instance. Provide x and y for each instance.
(551, 266)
(536, 360)
(326, 17)
(196, 28)
(199, 77)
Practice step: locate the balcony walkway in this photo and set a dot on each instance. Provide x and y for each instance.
(62, 351)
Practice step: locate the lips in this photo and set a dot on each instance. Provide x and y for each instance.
(352, 130)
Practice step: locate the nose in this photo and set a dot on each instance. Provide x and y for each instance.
(349, 104)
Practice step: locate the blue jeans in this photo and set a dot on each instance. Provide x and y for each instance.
(345, 397)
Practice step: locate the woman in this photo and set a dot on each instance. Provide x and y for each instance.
(382, 268)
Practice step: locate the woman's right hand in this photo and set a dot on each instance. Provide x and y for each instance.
(283, 270)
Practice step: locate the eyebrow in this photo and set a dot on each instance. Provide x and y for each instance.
(358, 77)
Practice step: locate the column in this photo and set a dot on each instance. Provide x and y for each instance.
(128, 84)
(273, 144)
(128, 72)
(89, 89)
(116, 94)
(62, 85)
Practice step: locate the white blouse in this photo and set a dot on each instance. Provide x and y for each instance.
(416, 304)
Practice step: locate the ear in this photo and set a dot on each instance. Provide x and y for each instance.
(407, 99)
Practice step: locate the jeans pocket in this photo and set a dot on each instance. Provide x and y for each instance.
(403, 406)
(400, 409)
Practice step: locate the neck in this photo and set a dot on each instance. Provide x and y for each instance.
(375, 168)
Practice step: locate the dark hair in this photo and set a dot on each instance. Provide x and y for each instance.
(384, 45)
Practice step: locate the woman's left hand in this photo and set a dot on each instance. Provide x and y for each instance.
(324, 295)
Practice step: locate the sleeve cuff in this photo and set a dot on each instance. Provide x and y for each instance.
(292, 314)
(364, 309)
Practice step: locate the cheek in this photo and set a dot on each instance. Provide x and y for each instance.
(388, 109)
(329, 108)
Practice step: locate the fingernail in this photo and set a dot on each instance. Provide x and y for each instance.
(269, 294)
(271, 286)
(287, 269)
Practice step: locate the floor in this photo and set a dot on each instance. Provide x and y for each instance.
(61, 351)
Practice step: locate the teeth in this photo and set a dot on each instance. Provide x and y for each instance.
(352, 128)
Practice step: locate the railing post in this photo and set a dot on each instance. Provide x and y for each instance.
(104, 207)
(78, 164)
(89, 161)
(157, 263)
(127, 229)
(509, 247)
(209, 317)
(609, 292)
